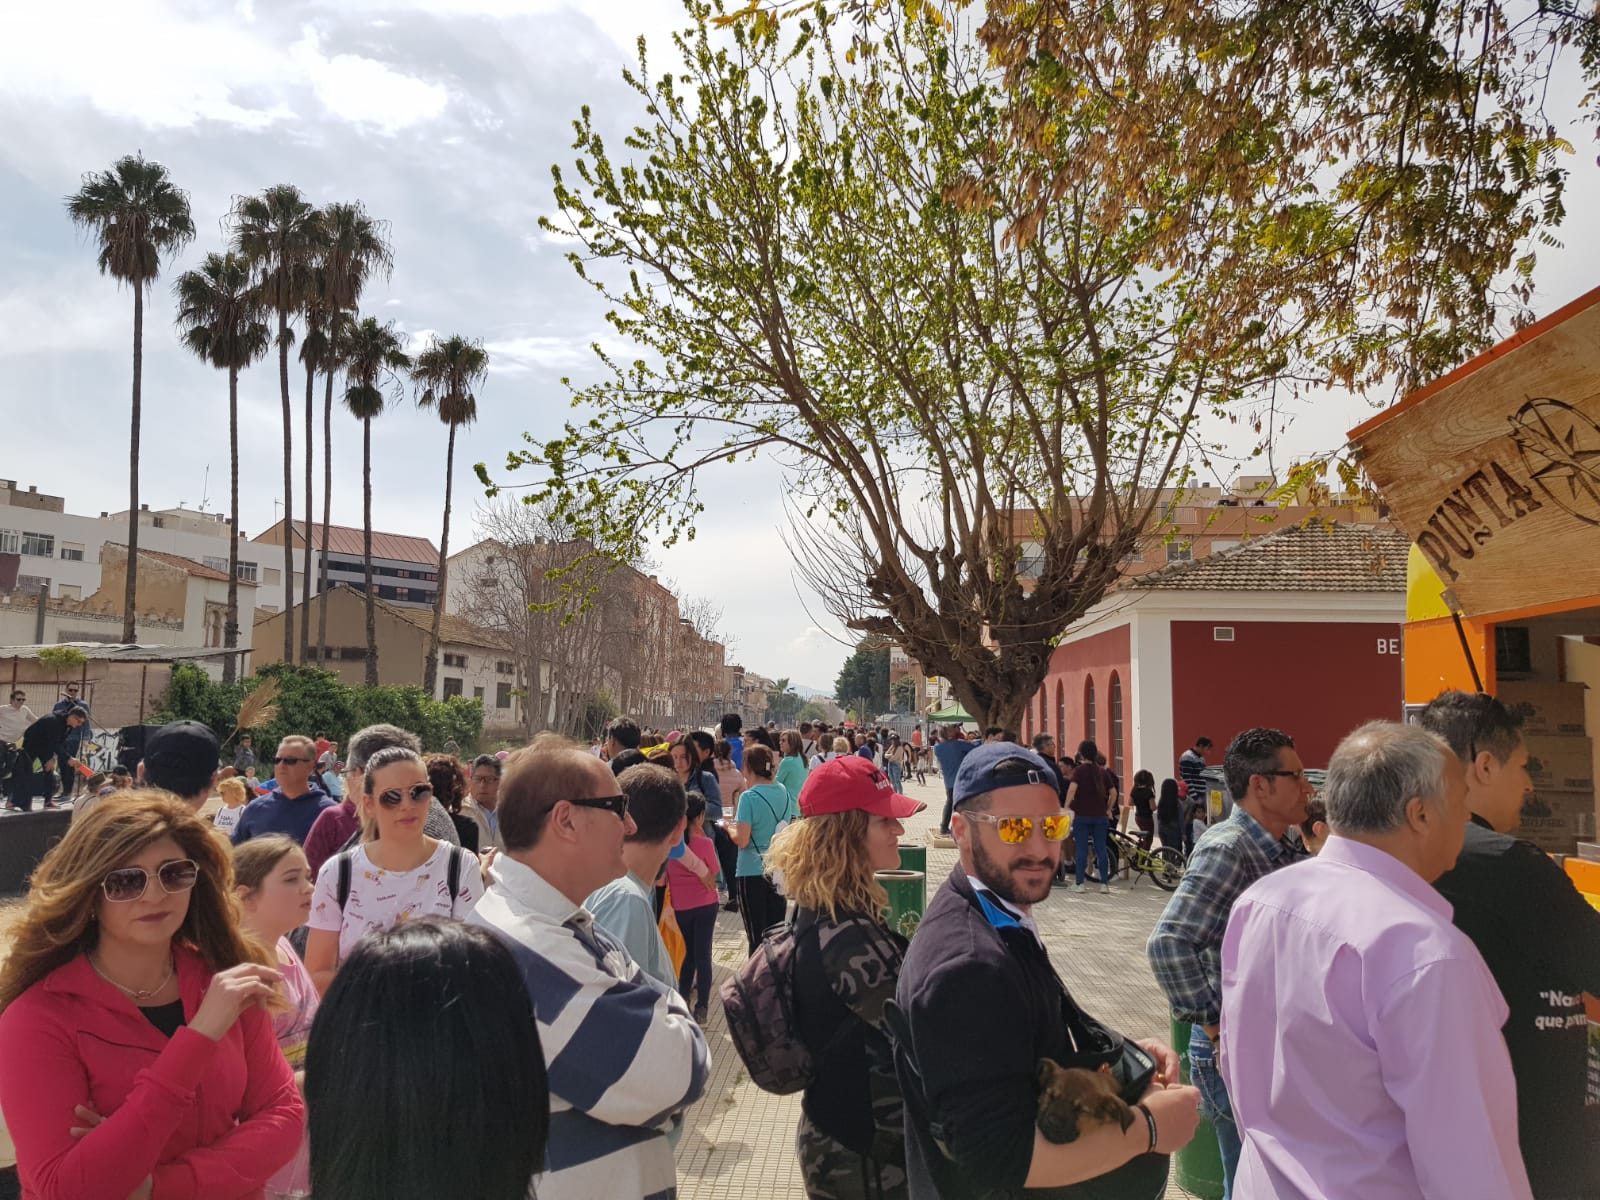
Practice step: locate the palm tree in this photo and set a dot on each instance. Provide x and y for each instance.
(372, 354)
(445, 374)
(220, 319)
(136, 215)
(355, 247)
(316, 350)
(277, 231)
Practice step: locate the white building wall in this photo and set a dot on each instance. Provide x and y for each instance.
(481, 672)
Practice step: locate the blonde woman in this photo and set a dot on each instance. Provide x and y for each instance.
(137, 1058)
(851, 1137)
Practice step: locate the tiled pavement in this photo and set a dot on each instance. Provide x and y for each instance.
(739, 1140)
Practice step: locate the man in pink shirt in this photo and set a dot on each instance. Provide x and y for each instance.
(1361, 1036)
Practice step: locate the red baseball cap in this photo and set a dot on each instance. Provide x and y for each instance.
(848, 782)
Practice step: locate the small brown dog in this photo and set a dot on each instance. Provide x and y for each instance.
(1072, 1098)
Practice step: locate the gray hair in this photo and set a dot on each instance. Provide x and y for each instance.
(364, 743)
(1378, 769)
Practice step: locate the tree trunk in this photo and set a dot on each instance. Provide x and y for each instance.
(431, 669)
(311, 459)
(288, 467)
(366, 550)
(130, 593)
(327, 502)
(230, 627)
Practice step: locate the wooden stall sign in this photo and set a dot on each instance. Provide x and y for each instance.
(1495, 470)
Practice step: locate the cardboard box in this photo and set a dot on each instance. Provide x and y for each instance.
(1554, 821)
(1547, 709)
(1561, 764)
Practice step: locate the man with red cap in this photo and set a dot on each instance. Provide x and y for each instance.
(851, 1139)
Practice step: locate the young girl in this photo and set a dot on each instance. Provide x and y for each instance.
(138, 1052)
(694, 900)
(233, 802)
(397, 872)
(274, 886)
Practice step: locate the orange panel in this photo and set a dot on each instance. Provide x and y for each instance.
(1434, 662)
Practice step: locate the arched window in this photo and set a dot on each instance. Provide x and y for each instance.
(1027, 723)
(1061, 718)
(1115, 753)
(1089, 725)
(1044, 709)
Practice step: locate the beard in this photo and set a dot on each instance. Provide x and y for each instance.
(1002, 880)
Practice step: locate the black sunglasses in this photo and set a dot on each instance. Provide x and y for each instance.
(419, 793)
(285, 758)
(612, 804)
(129, 883)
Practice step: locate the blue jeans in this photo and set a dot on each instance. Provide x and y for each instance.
(896, 775)
(1214, 1104)
(1084, 828)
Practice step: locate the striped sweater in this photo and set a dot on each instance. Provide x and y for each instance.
(624, 1057)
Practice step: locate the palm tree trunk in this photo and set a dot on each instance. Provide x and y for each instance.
(366, 550)
(430, 672)
(311, 459)
(130, 594)
(230, 627)
(288, 465)
(327, 501)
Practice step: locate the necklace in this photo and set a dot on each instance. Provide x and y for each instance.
(136, 993)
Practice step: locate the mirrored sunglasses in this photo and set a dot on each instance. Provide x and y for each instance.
(1016, 830)
(420, 793)
(129, 883)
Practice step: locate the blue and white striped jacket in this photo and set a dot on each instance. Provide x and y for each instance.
(623, 1054)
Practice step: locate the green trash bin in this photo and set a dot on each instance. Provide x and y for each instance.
(1199, 1164)
(915, 858)
(905, 890)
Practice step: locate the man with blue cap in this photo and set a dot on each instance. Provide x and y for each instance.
(980, 1004)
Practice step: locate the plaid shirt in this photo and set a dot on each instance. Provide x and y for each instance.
(1185, 948)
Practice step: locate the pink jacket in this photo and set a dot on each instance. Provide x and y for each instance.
(207, 1119)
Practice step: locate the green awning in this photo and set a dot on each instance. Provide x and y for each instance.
(953, 713)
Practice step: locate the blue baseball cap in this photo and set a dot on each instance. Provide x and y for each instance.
(996, 765)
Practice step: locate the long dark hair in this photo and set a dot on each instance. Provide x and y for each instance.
(1169, 808)
(424, 1075)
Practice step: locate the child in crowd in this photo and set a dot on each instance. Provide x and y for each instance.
(694, 900)
(234, 799)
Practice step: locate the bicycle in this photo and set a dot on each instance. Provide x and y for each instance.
(1124, 855)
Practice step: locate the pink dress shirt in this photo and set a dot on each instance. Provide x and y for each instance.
(1361, 1040)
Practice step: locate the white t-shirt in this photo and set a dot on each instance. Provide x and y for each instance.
(379, 898)
(227, 818)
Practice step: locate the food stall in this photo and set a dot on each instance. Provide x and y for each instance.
(1494, 472)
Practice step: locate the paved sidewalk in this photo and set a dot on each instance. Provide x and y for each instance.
(739, 1140)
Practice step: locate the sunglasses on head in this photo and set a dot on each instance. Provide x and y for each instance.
(129, 883)
(1016, 830)
(612, 804)
(418, 793)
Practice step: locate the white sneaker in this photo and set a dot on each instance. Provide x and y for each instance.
(1106, 888)
(1077, 887)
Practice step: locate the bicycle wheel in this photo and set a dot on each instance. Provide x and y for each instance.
(1166, 868)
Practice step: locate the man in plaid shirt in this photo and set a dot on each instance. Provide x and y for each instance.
(1269, 788)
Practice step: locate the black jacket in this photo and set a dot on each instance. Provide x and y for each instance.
(44, 739)
(982, 1005)
(1541, 941)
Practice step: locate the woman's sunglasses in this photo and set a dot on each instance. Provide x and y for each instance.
(1016, 830)
(419, 793)
(129, 883)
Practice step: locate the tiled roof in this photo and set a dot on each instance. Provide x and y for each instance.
(345, 539)
(187, 565)
(453, 630)
(1311, 558)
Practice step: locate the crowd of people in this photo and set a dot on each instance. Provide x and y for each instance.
(396, 974)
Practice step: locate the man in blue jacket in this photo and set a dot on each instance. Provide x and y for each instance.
(952, 748)
(982, 1004)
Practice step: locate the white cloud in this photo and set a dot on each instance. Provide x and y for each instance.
(190, 68)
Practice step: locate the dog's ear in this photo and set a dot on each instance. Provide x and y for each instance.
(1045, 1073)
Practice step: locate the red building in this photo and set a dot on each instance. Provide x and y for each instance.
(1297, 629)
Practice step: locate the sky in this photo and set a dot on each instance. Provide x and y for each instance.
(443, 117)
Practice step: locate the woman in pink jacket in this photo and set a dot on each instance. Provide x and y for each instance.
(137, 1056)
